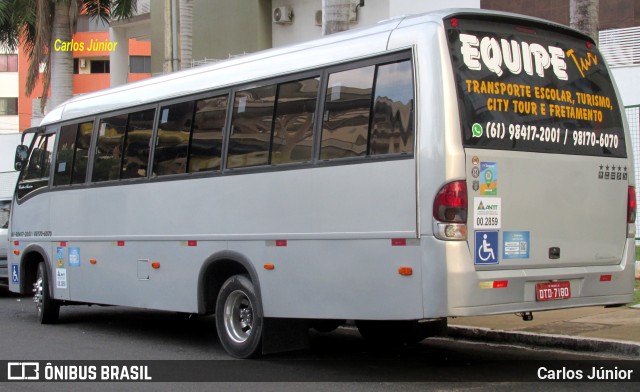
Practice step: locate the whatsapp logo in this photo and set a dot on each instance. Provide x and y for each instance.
(476, 130)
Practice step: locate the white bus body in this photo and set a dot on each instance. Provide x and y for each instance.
(442, 209)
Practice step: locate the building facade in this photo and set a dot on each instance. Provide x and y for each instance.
(8, 92)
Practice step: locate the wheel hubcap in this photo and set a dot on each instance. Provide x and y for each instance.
(238, 316)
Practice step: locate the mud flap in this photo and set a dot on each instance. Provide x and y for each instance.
(281, 334)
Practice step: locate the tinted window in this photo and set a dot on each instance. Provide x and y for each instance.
(205, 150)
(39, 163)
(108, 155)
(64, 155)
(251, 127)
(293, 127)
(172, 145)
(81, 157)
(136, 150)
(533, 89)
(346, 114)
(36, 173)
(392, 127)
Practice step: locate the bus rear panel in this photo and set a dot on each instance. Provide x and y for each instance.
(548, 167)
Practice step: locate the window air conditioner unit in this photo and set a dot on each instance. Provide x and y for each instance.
(83, 63)
(282, 15)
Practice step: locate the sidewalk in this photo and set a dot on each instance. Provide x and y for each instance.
(596, 329)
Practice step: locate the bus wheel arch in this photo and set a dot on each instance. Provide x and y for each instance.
(32, 256)
(214, 273)
(229, 287)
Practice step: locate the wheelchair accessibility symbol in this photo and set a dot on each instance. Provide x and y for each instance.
(15, 277)
(486, 247)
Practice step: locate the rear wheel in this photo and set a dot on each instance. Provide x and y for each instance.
(239, 319)
(47, 307)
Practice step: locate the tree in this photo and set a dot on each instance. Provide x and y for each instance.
(37, 24)
(584, 16)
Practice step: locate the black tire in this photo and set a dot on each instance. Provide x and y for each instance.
(47, 307)
(239, 318)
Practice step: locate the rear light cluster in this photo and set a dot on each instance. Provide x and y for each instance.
(450, 211)
(631, 212)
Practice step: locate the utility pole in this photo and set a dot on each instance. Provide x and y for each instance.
(171, 36)
(584, 16)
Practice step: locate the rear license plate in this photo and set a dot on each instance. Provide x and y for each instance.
(553, 290)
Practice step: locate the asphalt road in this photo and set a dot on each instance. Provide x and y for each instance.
(339, 361)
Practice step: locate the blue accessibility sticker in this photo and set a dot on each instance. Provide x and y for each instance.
(486, 247)
(15, 276)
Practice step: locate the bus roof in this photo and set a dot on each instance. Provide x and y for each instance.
(339, 47)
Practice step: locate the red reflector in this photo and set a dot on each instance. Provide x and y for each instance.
(500, 284)
(281, 242)
(120, 243)
(398, 242)
(63, 244)
(405, 271)
(155, 265)
(192, 243)
(269, 267)
(605, 278)
(16, 243)
(93, 261)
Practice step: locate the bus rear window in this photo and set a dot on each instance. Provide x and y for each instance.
(533, 89)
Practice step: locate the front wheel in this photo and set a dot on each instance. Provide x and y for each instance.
(239, 319)
(47, 307)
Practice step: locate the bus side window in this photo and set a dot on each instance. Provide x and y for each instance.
(346, 114)
(205, 147)
(81, 156)
(392, 127)
(251, 127)
(108, 156)
(172, 144)
(136, 144)
(293, 128)
(64, 155)
(38, 168)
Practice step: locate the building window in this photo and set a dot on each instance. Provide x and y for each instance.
(100, 66)
(8, 63)
(140, 64)
(8, 106)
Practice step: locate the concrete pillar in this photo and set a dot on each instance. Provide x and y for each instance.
(119, 59)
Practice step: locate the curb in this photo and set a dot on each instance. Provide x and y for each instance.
(580, 344)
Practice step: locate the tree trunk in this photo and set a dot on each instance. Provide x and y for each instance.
(186, 33)
(61, 60)
(584, 16)
(335, 16)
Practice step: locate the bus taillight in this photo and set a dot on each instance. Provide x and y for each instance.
(450, 211)
(631, 205)
(631, 212)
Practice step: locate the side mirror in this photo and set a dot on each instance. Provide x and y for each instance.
(22, 153)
